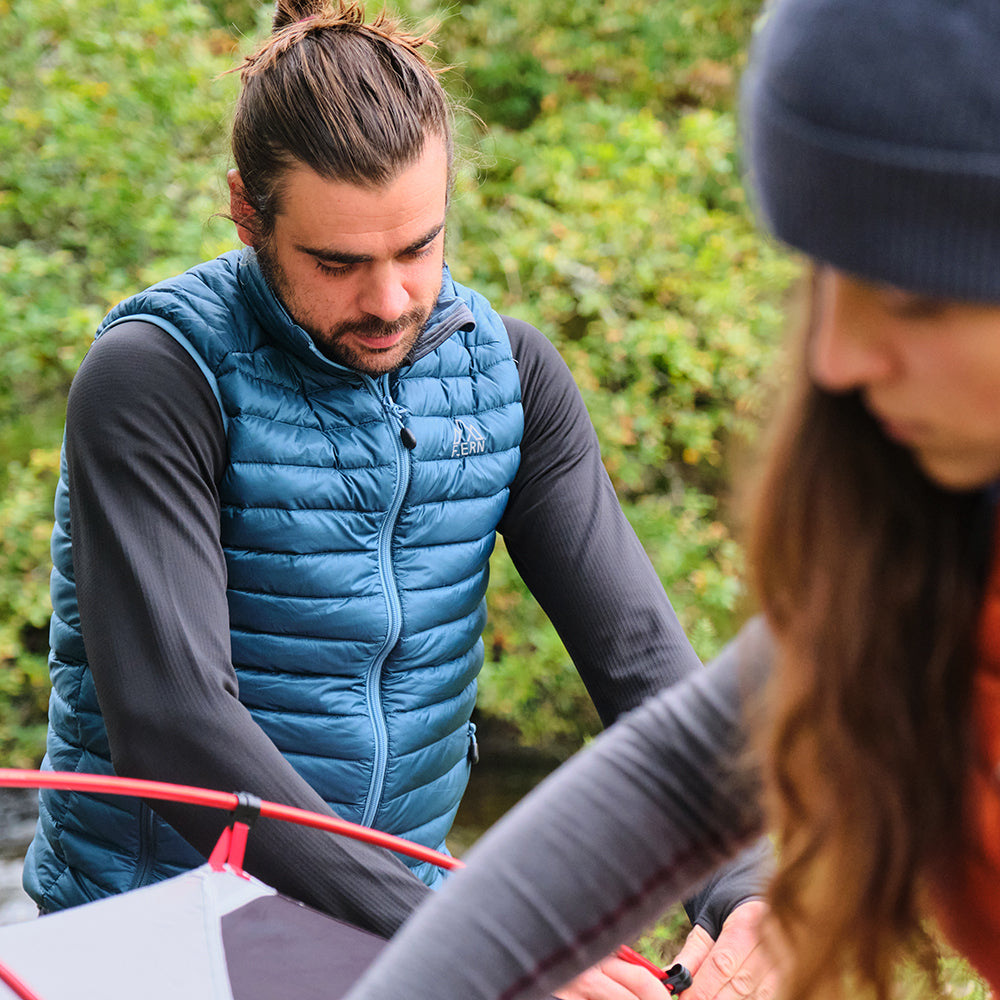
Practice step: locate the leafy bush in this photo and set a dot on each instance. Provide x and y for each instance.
(25, 525)
(520, 59)
(110, 142)
(628, 241)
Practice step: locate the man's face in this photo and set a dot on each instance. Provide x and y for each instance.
(359, 269)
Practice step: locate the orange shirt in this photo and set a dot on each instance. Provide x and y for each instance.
(968, 899)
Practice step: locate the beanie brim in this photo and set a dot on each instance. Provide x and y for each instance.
(925, 220)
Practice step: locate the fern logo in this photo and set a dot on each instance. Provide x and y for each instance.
(468, 440)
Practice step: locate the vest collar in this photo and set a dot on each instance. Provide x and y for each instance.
(450, 314)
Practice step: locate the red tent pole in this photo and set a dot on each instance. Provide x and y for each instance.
(11, 777)
(19, 986)
(229, 849)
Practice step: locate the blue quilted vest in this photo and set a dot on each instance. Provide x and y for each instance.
(357, 572)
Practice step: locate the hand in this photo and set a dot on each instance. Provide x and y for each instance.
(736, 965)
(615, 979)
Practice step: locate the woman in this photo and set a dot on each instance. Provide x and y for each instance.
(873, 145)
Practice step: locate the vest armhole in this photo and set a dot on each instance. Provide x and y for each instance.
(167, 327)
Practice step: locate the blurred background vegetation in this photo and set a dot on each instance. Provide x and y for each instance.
(599, 198)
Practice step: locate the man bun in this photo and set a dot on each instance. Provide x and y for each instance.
(287, 12)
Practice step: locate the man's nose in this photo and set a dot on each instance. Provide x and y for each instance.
(383, 293)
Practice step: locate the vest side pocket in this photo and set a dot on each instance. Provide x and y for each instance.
(147, 846)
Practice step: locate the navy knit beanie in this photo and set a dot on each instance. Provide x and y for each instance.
(871, 133)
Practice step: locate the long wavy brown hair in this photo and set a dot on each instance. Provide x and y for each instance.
(871, 578)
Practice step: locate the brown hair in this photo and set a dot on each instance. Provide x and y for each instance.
(353, 100)
(871, 578)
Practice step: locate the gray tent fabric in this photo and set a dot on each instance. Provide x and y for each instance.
(204, 935)
(274, 941)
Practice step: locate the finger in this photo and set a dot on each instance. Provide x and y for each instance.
(638, 981)
(736, 966)
(597, 984)
(756, 979)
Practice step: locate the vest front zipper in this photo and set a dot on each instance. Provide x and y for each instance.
(394, 609)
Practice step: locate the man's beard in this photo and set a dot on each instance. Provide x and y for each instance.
(332, 341)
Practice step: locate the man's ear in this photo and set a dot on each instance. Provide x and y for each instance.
(240, 209)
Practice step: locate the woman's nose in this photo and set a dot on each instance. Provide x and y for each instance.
(849, 346)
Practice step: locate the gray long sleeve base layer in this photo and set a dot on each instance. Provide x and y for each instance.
(595, 853)
(146, 449)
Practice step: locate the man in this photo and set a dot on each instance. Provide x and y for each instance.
(282, 476)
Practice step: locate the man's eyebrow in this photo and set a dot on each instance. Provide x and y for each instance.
(335, 256)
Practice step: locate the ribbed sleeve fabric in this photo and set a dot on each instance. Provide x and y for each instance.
(595, 853)
(576, 551)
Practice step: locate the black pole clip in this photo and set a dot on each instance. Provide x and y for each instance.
(247, 809)
(677, 978)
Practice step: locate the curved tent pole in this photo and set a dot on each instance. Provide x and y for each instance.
(230, 846)
(228, 801)
(244, 809)
(21, 989)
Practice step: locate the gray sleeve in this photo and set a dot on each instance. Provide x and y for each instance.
(576, 551)
(595, 853)
(146, 447)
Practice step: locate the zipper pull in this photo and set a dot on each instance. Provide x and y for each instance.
(401, 413)
(472, 754)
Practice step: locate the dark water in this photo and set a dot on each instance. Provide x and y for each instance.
(496, 785)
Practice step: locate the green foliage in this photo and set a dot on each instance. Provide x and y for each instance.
(661, 943)
(111, 130)
(520, 59)
(25, 526)
(43, 329)
(240, 18)
(528, 678)
(627, 240)
(629, 243)
(112, 151)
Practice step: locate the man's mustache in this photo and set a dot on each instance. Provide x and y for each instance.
(374, 328)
